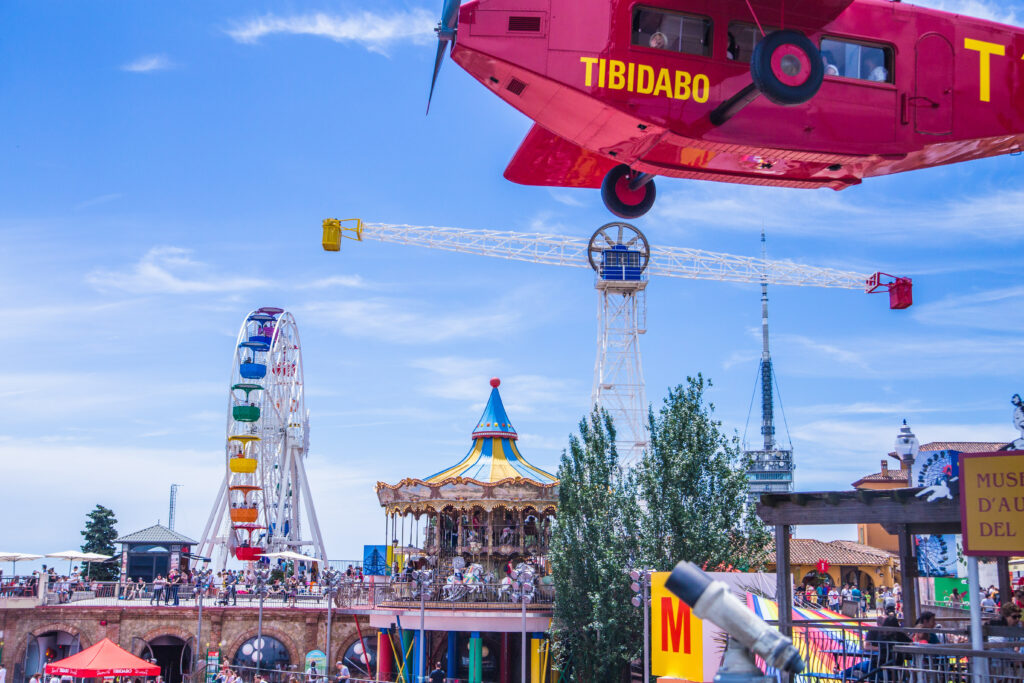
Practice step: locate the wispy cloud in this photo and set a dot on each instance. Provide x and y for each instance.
(994, 309)
(373, 31)
(102, 199)
(405, 322)
(350, 281)
(567, 197)
(170, 270)
(986, 216)
(992, 11)
(148, 63)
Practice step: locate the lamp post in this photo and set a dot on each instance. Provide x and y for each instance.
(640, 583)
(424, 580)
(906, 446)
(262, 578)
(522, 592)
(201, 583)
(329, 580)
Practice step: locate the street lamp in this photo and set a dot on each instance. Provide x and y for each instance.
(423, 581)
(329, 580)
(522, 592)
(262, 578)
(907, 445)
(640, 583)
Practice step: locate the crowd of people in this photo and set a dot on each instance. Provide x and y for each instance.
(876, 600)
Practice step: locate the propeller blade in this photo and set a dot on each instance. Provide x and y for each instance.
(441, 45)
(445, 34)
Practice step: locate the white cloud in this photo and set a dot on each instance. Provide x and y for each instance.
(989, 217)
(404, 322)
(351, 281)
(974, 8)
(993, 309)
(170, 270)
(567, 197)
(148, 63)
(373, 31)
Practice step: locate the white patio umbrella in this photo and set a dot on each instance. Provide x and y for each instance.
(70, 556)
(13, 558)
(294, 557)
(89, 558)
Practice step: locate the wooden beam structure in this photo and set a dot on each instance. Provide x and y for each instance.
(900, 511)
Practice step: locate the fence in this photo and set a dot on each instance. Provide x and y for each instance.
(293, 675)
(350, 595)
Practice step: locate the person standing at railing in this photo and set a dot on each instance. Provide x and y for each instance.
(343, 673)
(437, 675)
(158, 589)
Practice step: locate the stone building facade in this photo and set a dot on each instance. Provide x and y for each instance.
(299, 630)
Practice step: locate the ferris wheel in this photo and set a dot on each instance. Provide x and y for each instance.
(264, 497)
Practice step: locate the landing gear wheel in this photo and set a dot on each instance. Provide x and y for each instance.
(786, 67)
(622, 201)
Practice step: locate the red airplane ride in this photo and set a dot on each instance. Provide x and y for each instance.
(622, 91)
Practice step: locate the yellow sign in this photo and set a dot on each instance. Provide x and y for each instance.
(992, 502)
(676, 635)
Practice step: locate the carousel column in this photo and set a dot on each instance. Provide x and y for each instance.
(453, 654)
(458, 533)
(504, 664)
(384, 655)
(416, 674)
(536, 658)
(522, 532)
(476, 669)
(407, 658)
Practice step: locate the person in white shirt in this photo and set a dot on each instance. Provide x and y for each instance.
(3, 674)
(54, 679)
(34, 679)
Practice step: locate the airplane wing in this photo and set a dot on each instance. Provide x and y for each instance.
(543, 158)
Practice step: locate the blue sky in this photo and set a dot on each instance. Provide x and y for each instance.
(166, 168)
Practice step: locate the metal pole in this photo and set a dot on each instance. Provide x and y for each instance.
(522, 599)
(977, 638)
(330, 600)
(423, 617)
(199, 626)
(647, 630)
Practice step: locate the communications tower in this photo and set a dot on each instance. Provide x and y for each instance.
(771, 468)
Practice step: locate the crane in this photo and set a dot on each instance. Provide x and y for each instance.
(622, 260)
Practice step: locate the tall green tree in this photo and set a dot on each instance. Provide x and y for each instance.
(597, 630)
(99, 535)
(692, 485)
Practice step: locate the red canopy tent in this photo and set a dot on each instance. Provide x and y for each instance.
(104, 658)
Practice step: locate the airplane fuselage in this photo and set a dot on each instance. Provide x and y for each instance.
(905, 88)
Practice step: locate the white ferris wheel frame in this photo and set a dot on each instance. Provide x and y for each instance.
(283, 430)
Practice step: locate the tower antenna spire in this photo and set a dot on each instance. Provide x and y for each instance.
(771, 469)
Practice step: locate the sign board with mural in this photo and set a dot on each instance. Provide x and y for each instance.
(316, 663)
(937, 554)
(683, 646)
(992, 502)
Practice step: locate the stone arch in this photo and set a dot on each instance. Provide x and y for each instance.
(84, 640)
(295, 653)
(348, 642)
(175, 631)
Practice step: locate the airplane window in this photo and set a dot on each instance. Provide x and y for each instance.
(671, 31)
(742, 40)
(855, 60)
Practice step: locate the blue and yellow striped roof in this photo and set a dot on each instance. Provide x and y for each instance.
(494, 455)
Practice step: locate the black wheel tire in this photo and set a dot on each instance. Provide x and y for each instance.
(634, 205)
(769, 83)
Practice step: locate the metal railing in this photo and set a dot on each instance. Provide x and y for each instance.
(291, 674)
(350, 595)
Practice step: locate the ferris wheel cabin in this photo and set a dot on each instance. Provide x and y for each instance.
(621, 263)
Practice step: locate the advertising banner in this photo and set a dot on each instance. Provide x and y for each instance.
(683, 646)
(212, 664)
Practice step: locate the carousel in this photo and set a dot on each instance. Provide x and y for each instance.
(481, 517)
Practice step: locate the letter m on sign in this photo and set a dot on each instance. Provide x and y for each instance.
(674, 623)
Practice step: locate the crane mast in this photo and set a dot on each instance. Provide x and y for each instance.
(622, 261)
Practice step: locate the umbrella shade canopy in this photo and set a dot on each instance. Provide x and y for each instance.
(17, 557)
(95, 557)
(289, 555)
(102, 659)
(71, 555)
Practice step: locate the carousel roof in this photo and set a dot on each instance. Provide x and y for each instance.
(494, 456)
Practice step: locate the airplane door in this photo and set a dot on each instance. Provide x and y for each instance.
(932, 102)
